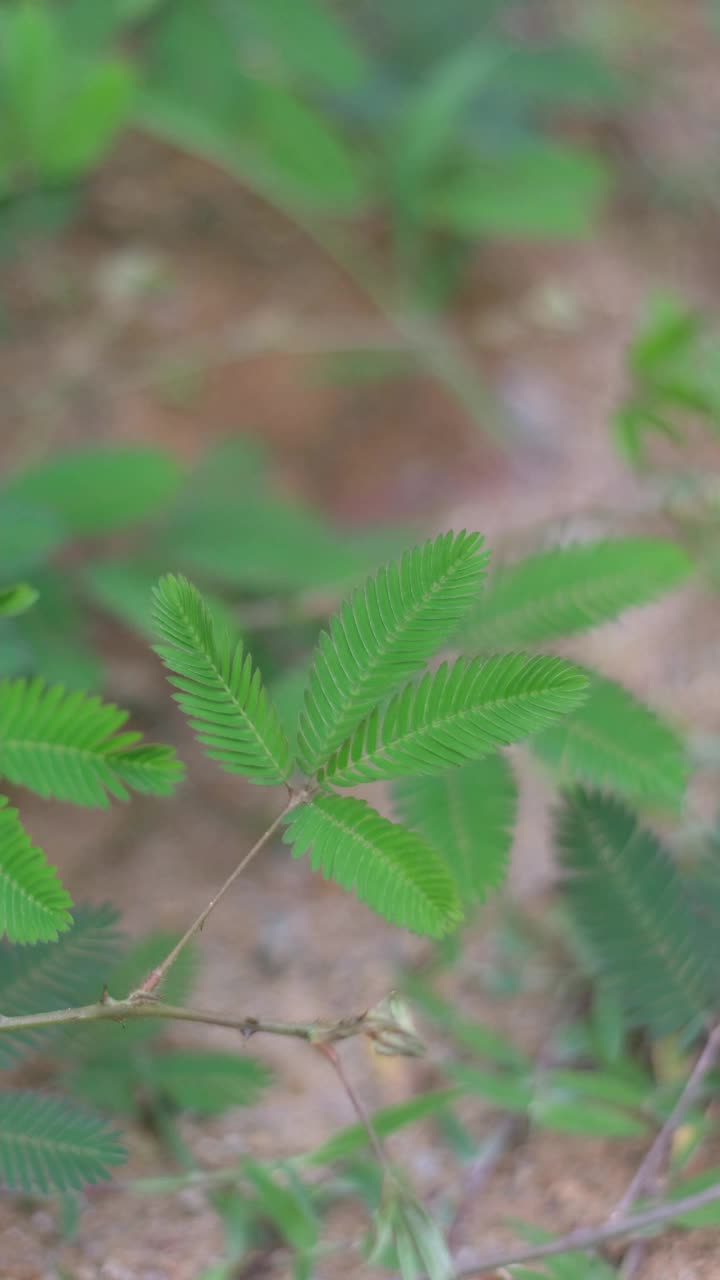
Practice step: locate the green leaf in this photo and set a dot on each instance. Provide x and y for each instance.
(94, 489)
(601, 1086)
(537, 190)
(220, 690)
(55, 975)
(15, 600)
(57, 635)
(288, 1207)
(385, 1122)
(391, 869)
(612, 741)
(569, 589)
(512, 1093)
(87, 120)
(33, 903)
(48, 1144)
(123, 588)
(306, 38)
(291, 151)
(384, 633)
(631, 909)
(459, 712)
(29, 534)
(468, 815)
(207, 1082)
(65, 745)
(150, 769)
(595, 1119)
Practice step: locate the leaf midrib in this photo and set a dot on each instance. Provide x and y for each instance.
(428, 727)
(676, 974)
(560, 596)
(399, 868)
(347, 710)
(211, 661)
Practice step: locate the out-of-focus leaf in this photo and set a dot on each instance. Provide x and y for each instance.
(540, 190)
(17, 599)
(93, 490)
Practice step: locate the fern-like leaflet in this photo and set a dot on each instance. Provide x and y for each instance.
(391, 869)
(51, 975)
(47, 1144)
(34, 906)
(385, 632)
(568, 589)
(614, 742)
(632, 909)
(68, 746)
(460, 712)
(468, 815)
(220, 690)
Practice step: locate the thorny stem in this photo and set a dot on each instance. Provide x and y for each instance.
(591, 1237)
(155, 977)
(655, 1157)
(146, 1006)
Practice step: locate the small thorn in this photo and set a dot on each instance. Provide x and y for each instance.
(105, 997)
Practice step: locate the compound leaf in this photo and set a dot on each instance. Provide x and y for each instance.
(207, 1082)
(33, 903)
(569, 589)
(612, 741)
(459, 712)
(220, 690)
(67, 745)
(54, 975)
(386, 631)
(48, 1144)
(390, 868)
(631, 908)
(468, 815)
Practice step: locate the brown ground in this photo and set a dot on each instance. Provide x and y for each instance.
(170, 261)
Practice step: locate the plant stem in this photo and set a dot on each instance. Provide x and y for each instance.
(653, 1160)
(145, 1006)
(591, 1237)
(330, 1052)
(155, 977)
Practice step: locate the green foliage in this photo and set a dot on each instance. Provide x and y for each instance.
(33, 903)
(386, 1121)
(672, 375)
(48, 975)
(463, 710)
(206, 1082)
(566, 590)
(468, 815)
(630, 905)
(60, 111)
(612, 741)
(388, 630)
(15, 600)
(96, 489)
(47, 1144)
(220, 689)
(390, 869)
(68, 746)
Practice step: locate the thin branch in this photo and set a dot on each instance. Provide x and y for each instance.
(591, 1237)
(653, 1161)
(329, 1051)
(141, 1005)
(155, 977)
